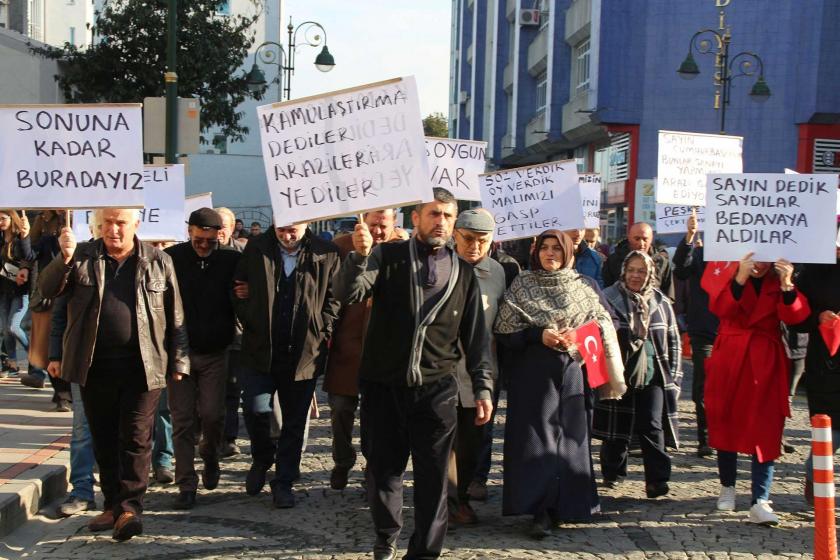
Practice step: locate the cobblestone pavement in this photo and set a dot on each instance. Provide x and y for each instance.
(327, 524)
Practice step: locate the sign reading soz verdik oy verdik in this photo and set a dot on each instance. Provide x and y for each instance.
(71, 156)
(345, 152)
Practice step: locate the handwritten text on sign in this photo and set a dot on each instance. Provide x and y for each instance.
(162, 218)
(590, 197)
(774, 215)
(71, 156)
(686, 158)
(345, 152)
(674, 219)
(529, 200)
(455, 165)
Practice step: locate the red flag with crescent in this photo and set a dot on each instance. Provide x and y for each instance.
(830, 332)
(717, 276)
(591, 347)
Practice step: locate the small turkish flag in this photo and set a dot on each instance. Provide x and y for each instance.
(591, 347)
(717, 276)
(830, 331)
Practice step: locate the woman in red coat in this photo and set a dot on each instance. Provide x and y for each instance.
(747, 375)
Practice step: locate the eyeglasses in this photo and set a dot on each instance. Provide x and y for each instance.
(205, 242)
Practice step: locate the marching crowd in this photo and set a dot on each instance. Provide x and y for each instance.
(156, 347)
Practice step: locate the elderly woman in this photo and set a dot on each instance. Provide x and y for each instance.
(650, 350)
(746, 394)
(547, 461)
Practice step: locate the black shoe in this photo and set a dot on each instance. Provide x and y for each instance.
(788, 448)
(164, 475)
(283, 497)
(229, 449)
(255, 481)
(657, 489)
(73, 505)
(185, 500)
(32, 380)
(541, 527)
(704, 450)
(384, 552)
(611, 483)
(62, 405)
(338, 478)
(211, 474)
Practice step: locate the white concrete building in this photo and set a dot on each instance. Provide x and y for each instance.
(34, 77)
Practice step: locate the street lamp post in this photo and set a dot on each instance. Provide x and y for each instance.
(744, 63)
(271, 52)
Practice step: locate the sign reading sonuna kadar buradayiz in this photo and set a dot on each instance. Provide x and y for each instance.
(71, 156)
(773, 215)
(526, 201)
(345, 152)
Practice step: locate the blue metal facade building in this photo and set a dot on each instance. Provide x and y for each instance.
(596, 80)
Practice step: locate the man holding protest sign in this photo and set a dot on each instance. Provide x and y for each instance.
(286, 305)
(125, 334)
(205, 275)
(425, 302)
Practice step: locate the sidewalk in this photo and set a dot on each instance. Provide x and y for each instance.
(34, 452)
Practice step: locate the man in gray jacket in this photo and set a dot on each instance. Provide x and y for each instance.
(125, 333)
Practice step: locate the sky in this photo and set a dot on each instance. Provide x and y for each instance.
(374, 40)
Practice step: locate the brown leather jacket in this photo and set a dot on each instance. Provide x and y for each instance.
(160, 316)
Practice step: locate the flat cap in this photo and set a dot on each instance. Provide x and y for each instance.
(206, 218)
(475, 220)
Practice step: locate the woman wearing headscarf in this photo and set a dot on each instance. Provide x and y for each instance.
(650, 349)
(16, 258)
(547, 460)
(746, 393)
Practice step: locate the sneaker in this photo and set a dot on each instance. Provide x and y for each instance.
(762, 514)
(73, 505)
(726, 500)
(32, 380)
(62, 405)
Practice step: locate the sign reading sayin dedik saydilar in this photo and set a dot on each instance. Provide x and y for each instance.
(345, 152)
(529, 200)
(773, 215)
(71, 156)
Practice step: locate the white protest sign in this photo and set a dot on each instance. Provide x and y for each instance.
(456, 164)
(673, 219)
(645, 208)
(345, 152)
(196, 201)
(773, 215)
(162, 218)
(590, 198)
(684, 160)
(71, 156)
(529, 200)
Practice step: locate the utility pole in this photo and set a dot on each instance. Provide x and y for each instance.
(171, 80)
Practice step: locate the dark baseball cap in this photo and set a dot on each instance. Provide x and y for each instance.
(206, 218)
(476, 220)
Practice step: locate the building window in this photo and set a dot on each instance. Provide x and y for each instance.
(544, 13)
(581, 66)
(542, 91)
(223, 8)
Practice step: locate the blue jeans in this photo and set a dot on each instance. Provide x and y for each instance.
(13, 309)
(163, 450)
(81, 450)
(762, 474)
(835, 445)
(295, 399)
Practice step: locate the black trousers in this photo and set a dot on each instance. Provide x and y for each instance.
(233, 396)
(701, 349)
(398, 422)
(121, 415)
(342, 417)
(649, 402)
(465, 455)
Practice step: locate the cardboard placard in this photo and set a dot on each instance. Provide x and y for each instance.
(684, 160)
(71, 156)
(526, 201)
(456, 164)
(590, 198)
(345, 152)
(774, 215)
(162, 217)
(673, 219)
